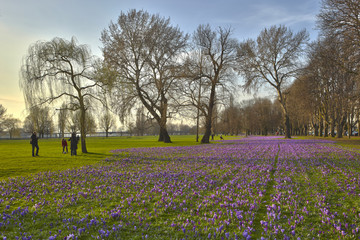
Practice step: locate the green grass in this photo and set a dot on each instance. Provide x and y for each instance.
(352, 143)
(16, 159)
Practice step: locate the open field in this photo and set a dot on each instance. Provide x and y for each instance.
(255, 187)
(16, 159)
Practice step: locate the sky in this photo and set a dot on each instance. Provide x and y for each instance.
(24, 22)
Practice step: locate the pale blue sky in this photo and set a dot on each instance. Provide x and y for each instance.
(23, 22)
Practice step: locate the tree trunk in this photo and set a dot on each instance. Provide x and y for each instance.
(340, 127)
(287, 126)
(206, 137)
(339, 131)
(82, 128)
(208, 120)
(349, 126)
(326, 127)
(316, 127)
(358, 124)
(198, 121)
(164, 135)
(332, 127)
(321, 128)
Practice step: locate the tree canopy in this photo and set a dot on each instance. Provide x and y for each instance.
(60, 70)
(273, 59)
(143, 51)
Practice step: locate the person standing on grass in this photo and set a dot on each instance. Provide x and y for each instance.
(34, 144)
(64, 145)
(73, 145)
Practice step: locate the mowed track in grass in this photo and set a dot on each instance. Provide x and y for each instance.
(16, 159)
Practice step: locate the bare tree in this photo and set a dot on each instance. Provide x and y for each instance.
(274, 59)
(140, 122)
(39, 120)
(12, 126)
(333, 82)
(8, 123)
(60, 70)
(261, 116)
(341, 18)
(28, 126)
(194, 89)
(63, 119)
(91, 125)
(143, 50)
(303, 104)
(231, 118)
(90, 122)
(2, 117)
(218, 57)
(107, 122)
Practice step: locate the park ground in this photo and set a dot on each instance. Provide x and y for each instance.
(16, 159)
(249, 188)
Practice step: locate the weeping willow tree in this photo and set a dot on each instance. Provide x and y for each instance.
(60, 71)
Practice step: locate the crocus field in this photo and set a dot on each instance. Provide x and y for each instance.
(251, 188)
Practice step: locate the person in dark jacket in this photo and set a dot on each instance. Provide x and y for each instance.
(73, 145)
(34, 144)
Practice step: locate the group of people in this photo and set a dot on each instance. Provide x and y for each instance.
(213, 135)
(73, 144)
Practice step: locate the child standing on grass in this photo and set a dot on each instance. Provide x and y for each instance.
(64, 145)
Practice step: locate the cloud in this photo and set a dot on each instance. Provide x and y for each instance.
(11, 100)
(267, 15)
(254, 17)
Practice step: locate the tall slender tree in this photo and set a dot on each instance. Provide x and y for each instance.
(215, 68)
(39, 120)
(63, 119)
(2, 117)
(107, 122)
(274, 59)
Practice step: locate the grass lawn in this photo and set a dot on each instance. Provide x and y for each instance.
(305, 189)
(352, 143)
(16, 159)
